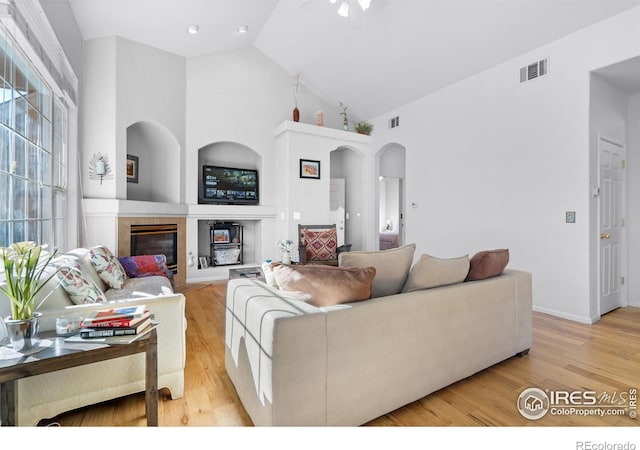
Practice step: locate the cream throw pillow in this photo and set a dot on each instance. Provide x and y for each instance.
(108, 267)
(392, 267)
(429, 272)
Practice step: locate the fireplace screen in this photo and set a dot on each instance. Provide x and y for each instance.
(156, 240)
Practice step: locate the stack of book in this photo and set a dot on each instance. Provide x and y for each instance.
(128, 321)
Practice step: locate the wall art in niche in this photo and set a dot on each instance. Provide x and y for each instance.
(309, 169)
(132, 169)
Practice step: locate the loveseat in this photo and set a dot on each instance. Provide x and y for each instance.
(45, 396)
(294, 363)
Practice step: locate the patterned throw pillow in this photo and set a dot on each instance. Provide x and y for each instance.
(320, 245)
(146, 266)
(80, 288)
(108, 267)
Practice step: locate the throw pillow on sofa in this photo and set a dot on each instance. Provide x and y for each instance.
(487, 264)
(146, 266)
(108, 267)
(392, 267)
(325, 285)
(81, 289)
(429, 272)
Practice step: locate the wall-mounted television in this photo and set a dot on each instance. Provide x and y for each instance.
(229, 185)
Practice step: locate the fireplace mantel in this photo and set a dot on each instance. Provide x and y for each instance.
(109, 207)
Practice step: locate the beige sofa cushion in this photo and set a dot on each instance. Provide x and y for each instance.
(392, 267)
(487, 264)
(326, 285)
(429, 272)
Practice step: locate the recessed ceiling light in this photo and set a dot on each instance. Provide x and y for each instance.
(243, 29)
(193, 29)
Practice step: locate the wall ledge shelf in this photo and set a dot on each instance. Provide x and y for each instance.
(345, 137)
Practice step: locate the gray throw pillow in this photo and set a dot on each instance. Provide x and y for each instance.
(392, 267)
(429, 272)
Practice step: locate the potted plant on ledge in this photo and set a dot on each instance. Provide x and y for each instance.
(364, 128)
(23, 265)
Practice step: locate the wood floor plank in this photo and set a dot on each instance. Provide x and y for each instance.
(604, 356)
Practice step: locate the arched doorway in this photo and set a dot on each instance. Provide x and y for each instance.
(391, 194)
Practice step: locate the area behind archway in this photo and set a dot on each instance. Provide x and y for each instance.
(391, 196)
(158, 160)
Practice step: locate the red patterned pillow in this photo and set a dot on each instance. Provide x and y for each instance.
(320, 245)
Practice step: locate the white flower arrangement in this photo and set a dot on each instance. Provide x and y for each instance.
(285, 245)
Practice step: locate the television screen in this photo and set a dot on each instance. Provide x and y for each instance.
(229, 185)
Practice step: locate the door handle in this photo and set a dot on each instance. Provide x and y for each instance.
(605, 236)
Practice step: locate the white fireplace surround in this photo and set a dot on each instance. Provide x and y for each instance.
(102, 217)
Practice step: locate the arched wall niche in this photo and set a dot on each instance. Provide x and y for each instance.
(228, 154)
(159, 168)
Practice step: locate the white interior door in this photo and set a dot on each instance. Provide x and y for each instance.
(337, 202)
(611, 222)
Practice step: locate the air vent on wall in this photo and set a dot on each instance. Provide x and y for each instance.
(534, 70)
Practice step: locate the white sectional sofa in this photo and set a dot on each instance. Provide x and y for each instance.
(45, 396)
(295, 364)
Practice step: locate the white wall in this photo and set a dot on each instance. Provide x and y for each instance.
(151, 87)
(633, 199)
(494, 164)
(241, 97)
(98, 120)
(126, 82)
(307, 201)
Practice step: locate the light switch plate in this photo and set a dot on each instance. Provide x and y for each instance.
(570, 216)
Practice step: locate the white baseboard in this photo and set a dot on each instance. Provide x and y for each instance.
(563, 315)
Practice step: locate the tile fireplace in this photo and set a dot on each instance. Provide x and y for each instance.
(155, 235)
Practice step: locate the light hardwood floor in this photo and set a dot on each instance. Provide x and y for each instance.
(565, 355)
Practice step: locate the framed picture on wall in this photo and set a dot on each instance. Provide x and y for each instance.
(132, 169)
(309, 169)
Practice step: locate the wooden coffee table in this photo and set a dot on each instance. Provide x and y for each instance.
(63, 355)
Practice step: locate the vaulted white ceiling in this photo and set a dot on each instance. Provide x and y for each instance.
(396, 52)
